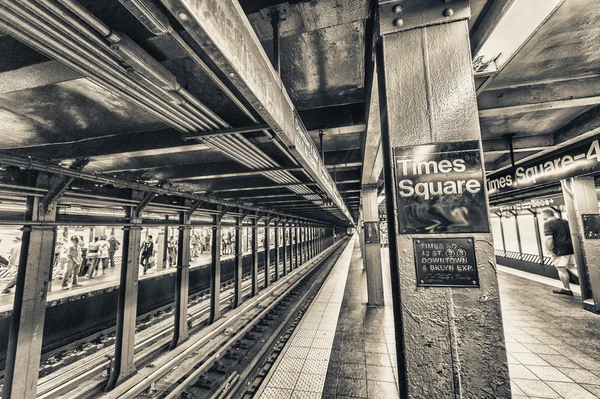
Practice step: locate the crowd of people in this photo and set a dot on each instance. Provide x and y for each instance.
(74, 259)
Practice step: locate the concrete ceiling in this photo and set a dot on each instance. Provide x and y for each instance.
(52, 113)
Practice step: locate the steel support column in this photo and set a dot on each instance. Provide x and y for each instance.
(182, 280)
(215, 271)
(297, 261)
(372, 250)
(285, 249)
(301, 238)
(122, 366)
(581, 199)
(254, 289)
(267, 246)
(29, 308)
(238, 270)
(277, 251)
(311, 252)
(449, 341)
(538, 235)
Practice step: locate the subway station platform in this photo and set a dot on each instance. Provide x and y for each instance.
(344, 349)
(341, 348)
(110, 278)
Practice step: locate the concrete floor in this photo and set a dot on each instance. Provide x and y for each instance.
(363, 357)
(553, 344)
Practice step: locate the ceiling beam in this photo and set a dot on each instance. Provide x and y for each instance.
(520, 144)
(222, 30)
(333, 117)
(486, 22)
(539, 97)
(225, 132)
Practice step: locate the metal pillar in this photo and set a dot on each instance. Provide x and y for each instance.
(182, 280)
(518, 233)
(311, 252)
(538, 236)
(267, 245)
(426, 95)
(286, 258)
(29, 308)
(502, 233)
(301, 239)
(581, 199)
(372, 247)
(164, 248)
(122, 366)
(277, 251)
(297, 261)
(275, 19)
(254, 289)
(238, 271)
(215, 271)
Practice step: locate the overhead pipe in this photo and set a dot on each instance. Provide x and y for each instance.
(91, 58)
(111, 36)
(96, 78)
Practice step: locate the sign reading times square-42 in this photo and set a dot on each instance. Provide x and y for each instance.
(440, 188)
(581, 159)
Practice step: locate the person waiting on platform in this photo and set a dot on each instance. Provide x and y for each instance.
(172, 251)
(113, 247)
(103, 252)
(559, 246)
(13, 264)
(146, 252)
(73, 263)
(92, 256)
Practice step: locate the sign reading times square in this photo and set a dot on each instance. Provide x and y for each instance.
(578, 160)
(440, 188)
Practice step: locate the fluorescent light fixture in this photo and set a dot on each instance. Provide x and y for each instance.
(519, 22)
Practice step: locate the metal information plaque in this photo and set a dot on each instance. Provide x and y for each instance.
(591, 226)
(445, 262)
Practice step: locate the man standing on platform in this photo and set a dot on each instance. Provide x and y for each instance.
(559, 246)
(113, 247)
(146, 252)
(73, 263)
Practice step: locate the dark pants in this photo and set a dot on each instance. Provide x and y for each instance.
(93, 265)
(111, 258)
(145, 261)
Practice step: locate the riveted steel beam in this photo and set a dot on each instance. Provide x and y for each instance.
(226, 132)
(222, 30)
(398, 16)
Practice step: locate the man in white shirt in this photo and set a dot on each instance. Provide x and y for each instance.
(73, 263)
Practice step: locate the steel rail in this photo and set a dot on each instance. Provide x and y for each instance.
(206, 364)
(54, 386)
(127, 391)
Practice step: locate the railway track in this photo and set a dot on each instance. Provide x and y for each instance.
(88, 376)
(150, 342)
(237, 338)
